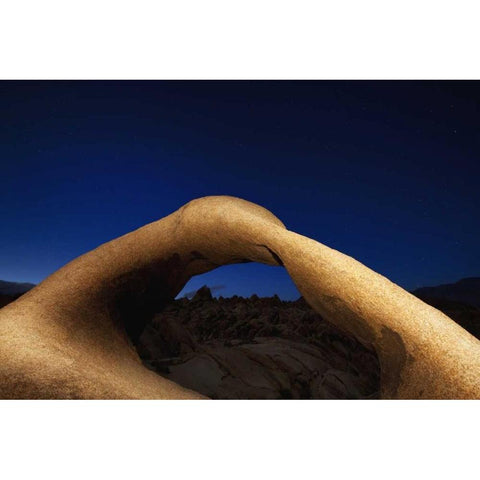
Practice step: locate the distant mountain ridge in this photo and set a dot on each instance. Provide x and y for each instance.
(14, 288)
(465, 291)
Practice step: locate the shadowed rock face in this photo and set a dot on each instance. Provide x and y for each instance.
(69, 336)
(256, 348)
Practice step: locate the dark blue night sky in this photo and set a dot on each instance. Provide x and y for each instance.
(387, 172)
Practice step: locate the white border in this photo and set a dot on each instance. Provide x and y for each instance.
(239, 439)
(186, 39)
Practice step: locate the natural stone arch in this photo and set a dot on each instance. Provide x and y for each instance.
(69, 336)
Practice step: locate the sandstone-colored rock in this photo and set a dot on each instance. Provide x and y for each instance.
(68, 336)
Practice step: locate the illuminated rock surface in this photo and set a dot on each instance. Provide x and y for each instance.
(69, 337)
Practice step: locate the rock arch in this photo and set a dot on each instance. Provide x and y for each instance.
(69, 336)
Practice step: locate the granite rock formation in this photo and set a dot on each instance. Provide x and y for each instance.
(70, 336)
(256, 348)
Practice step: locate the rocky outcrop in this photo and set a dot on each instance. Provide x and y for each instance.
(69, 336)
(270, 368)
(256, 348)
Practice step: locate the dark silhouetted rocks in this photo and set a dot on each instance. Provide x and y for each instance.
(203, 293)
(239, 348)
(256, 348)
